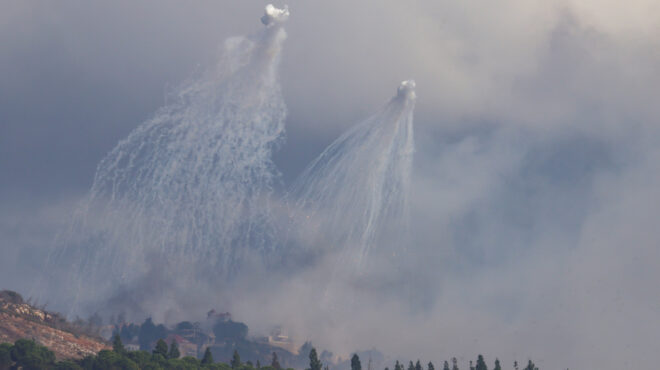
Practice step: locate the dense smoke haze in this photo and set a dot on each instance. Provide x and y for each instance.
(531, 200)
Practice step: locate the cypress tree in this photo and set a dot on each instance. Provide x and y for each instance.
(208, 357)
(497, 365)
(530, 366)
(117, 345)
(314, 362)
(481, 364)
(418, 365)
(161, 348)
(430, 366)
(355, 362)
(411, 366)
(454, 363)
(235, 360)
(174, 350)
(275, 364)
(445, 366)
(398, 366)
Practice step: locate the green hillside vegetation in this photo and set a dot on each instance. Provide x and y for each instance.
(28, 355)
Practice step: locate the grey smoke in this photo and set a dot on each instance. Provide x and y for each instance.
(535, 176)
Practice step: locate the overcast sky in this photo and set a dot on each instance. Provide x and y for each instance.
(537, 175)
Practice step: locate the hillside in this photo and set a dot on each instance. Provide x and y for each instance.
(19, 319)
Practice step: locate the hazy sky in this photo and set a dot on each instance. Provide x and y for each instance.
(537, 175)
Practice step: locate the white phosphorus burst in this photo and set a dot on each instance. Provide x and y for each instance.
(190, 187)
(354, 196)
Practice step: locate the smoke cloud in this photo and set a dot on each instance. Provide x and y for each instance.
(534, 187)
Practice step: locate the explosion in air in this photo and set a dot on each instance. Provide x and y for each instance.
(354, 196)
(190, 187)
(189, 193)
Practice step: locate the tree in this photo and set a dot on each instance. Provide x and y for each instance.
(235, 360)
(497, 365)
(445, 366)
(5, 356)
(454, 363)
(161, 348)
(530, 366)
(430, 366)
(112, 360)
(481, 364)
(411, 366)
(229, 331)
(29, 355)
(66, 365)
(471, 367)
(398, 366)
(418, 365)
(314, 362)
(208, 357)
(355, 362)
(258, 364)
(174, 350)
(117, 345)
(275, 364)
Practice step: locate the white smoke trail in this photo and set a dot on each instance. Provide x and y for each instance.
(187, 191)
(354, 196)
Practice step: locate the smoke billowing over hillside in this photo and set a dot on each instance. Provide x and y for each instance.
(532, 193)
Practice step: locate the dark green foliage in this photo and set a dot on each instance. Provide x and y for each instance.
(149, 333)
(5, 356)
(67, 365)
(235, 360)
(29, 355)
(481, 364)
(184, 325)
(229, 331)
(275, 363)
(355, 363)
(11, 297)
(314, 362)
(161, 348)
(174, 350)
(141, 358)
(117, 345)
(530, 366)
(110, 360)
(208, 357)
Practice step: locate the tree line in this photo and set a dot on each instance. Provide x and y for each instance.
(27, 354)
